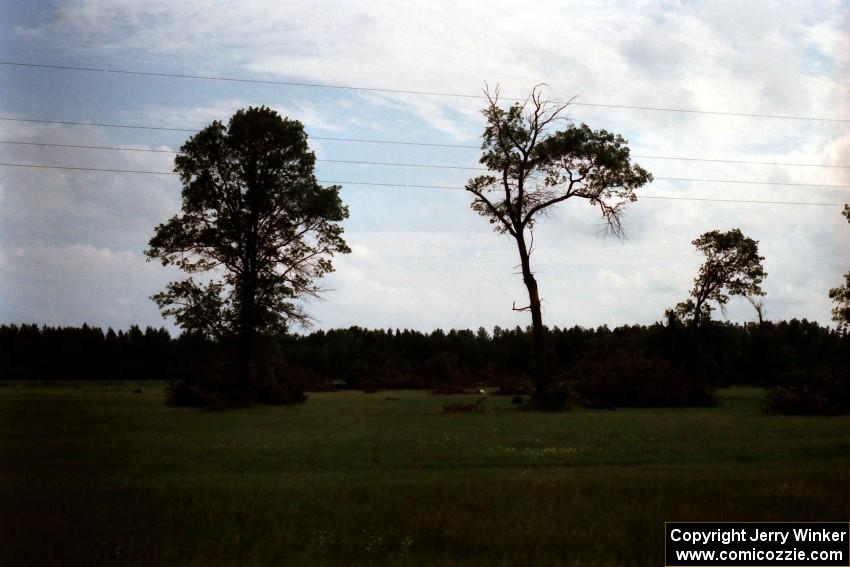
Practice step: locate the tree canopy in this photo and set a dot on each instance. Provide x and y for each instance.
(255, 221)
(533, 168)
(841, 295)
(732, 266)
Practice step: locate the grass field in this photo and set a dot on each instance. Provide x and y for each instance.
(100, 475)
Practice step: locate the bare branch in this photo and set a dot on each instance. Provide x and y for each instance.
(515, 308)
(492, 208)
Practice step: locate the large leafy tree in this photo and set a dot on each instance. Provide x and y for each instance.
(533, 167)
(732, 266)
(841, 296)
(255, 221)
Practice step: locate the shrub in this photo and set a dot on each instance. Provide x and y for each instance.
(277, 392)
(820, 391)
(211, 378)
(199, 379)
(558, 399)
(442, 369)
(277, 383)
(371, 377)
(632, 380)
(182, 393)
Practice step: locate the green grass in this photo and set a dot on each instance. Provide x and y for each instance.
(99, 475)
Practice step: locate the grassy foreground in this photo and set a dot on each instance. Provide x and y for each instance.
(100, 475)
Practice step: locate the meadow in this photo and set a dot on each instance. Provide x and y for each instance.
(92, 474)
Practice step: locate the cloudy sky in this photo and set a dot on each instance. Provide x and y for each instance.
(71, 242)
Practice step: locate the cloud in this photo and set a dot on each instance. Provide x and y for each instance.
(200, 115)
(61, 207)
(421, 258)
(76, 284)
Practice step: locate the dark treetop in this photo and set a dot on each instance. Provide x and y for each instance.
(732, 267)
(255, 220)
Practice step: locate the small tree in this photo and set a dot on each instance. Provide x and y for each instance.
(841, 295)
(535, 168)
(253, 218)
(732, 267)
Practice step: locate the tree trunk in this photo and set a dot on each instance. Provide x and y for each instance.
(245, 340)
(698, 313)
(249, 281)
(538, 363)
(248, 307)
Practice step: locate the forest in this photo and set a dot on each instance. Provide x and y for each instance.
(803, 363)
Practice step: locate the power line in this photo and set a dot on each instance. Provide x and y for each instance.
(711, 160)
(98, 124)
(404, 91)
(72, 168)
(741, 161)
(746, 182)
(242, 80)
(397, 164)
(395, 142)
(665, 197)
(425, 165)
(149, 150)
(749, 201)
(88, 147)
(195, 131)
(417, 186)
(686, 179)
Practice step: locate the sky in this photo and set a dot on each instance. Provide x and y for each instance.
(72, 242)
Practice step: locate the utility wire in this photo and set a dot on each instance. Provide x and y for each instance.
(195, 131)
(687, 179)
(746, 182)
(416, 186)
(670, 198)
(175, 152)
(741, 161)
(749, 201)
(438, 166)
(87, 147)
(72, 168)
(404, 91)
(711, 160)
(98, 124)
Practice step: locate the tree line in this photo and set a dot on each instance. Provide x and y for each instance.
(668, 363)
